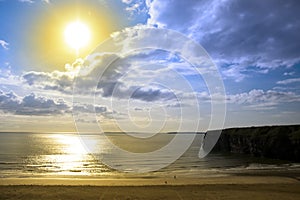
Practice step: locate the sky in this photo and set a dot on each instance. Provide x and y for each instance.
(253, 47)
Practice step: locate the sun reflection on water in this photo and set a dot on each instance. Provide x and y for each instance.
(70, 157)
(73, 153)
(72, 144)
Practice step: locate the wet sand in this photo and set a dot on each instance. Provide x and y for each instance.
(230, 187)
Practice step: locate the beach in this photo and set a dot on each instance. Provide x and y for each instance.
(230, 187)
(52, 166)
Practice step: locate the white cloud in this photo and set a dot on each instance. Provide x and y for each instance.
(33, 1)
(4, 44)
(263, 98)
(127, 1)
(7, 77)
(288, 73)
(243, 36)
(26, 1)
(288, 81)
(135, 8)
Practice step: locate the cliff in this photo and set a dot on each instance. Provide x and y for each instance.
(279, 142)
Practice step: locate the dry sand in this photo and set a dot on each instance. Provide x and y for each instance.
(231, 187)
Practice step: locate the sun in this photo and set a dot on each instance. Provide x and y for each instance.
(77, 35)
(68, 31)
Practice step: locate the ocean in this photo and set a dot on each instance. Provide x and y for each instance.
(64, 155)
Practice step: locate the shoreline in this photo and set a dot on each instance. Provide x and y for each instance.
(236, 177)
(238, 187)
(240, 179)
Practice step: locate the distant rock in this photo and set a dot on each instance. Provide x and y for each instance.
(278, 142)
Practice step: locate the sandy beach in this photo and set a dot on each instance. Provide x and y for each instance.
(53, 173)
(232, 187)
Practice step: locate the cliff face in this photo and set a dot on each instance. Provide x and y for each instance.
(279, 142)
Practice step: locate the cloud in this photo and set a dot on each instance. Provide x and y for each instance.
(150, 75)
(131, 76)
(32, 1)
(84, 112)
(135, 7)
(175, 105)
(4, 44)
(151, 94)
(88, 108)
(288, 81)
(261, 97)
(147, 93)
(35, 105)
(7, 77)
(61, 81)
(9, 102)
(127, 1)
(31, 105)
(241, 36)
(26, 1)
(288, 73)
(109, 84)
(141, 109)
(58, 81)
(122, 79)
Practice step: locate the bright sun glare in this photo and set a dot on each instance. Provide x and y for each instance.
(77, 35)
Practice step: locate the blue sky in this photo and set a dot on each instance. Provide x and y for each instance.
(254, 45)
